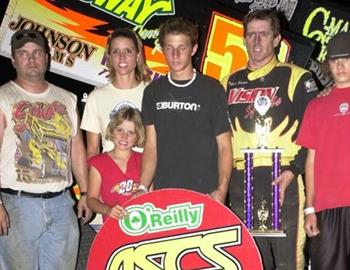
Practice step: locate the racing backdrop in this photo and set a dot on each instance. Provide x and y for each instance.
(77, 32)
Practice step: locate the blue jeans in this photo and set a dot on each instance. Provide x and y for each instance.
(43, 233)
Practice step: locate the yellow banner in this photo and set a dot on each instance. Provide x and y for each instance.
(77, 49)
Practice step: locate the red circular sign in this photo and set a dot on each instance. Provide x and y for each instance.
(174, 229)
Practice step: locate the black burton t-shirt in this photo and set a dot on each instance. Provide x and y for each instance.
(187, 121)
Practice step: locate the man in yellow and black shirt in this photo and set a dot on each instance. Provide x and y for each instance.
(266, 104)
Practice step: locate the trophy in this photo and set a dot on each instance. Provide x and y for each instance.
(265, 212)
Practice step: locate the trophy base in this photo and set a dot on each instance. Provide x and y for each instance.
(268, 233)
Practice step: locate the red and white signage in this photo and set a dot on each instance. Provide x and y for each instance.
(174, 229)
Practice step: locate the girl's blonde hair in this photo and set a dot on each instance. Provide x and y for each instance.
(132, 115)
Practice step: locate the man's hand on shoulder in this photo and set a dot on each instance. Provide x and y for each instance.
(325, 92)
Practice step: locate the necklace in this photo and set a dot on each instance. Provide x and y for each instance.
(183, 85)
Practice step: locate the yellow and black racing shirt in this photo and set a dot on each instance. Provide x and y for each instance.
(289, 89)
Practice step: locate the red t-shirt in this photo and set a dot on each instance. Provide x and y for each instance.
(116, 186)
(326, 129)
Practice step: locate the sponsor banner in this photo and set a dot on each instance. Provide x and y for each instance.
(77, 33)
(174, 229)
(315, 20)
(320, 21)
(73, 54)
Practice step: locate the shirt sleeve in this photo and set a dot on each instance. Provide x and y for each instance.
(90, 121)
(306, 137)
(98, 161)
(148, 106)
(305, 90)
(220, 116)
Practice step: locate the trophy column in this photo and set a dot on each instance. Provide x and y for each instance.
(276, 210)
(248, 190)
(262, 229)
